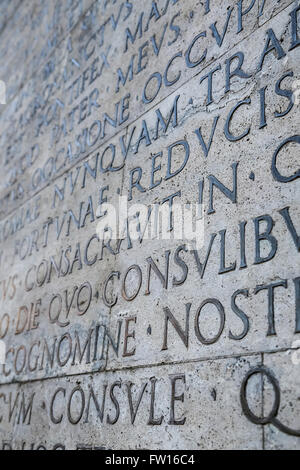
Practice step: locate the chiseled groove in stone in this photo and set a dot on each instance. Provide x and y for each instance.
(130, 123)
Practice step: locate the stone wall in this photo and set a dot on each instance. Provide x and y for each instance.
(149, 232)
